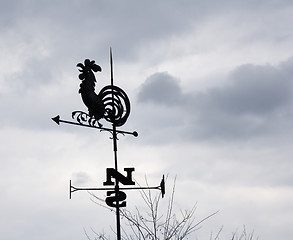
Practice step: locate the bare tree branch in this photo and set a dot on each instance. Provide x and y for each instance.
(152, 225)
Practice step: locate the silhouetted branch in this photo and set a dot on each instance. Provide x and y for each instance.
(151, 225)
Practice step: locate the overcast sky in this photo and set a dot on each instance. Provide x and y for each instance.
(210, 85)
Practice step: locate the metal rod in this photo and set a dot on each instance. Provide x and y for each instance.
(109, 189)
(116, 183)
(58, 121)
(111, 64)
(115, 155)
(86, 120)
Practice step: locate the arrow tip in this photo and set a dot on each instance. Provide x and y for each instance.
(56, 119)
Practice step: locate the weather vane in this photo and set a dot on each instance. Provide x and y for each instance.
(113, 105)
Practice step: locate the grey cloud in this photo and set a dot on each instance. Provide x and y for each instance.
(254, 90)
(255, 101)
(254, 104)
(95, 23)
(160, 88)
(41, 43)
(94, 26)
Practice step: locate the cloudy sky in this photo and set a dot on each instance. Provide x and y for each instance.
(210, 83)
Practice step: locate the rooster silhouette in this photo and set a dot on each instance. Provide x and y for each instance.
(92, 100)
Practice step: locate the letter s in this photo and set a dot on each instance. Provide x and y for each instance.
(114, 201)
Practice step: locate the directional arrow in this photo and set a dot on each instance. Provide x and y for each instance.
(58, 121)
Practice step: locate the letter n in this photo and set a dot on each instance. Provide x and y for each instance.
(125, 180)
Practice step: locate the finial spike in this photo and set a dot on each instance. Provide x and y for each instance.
(111, 65)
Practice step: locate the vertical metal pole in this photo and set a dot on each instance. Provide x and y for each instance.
(116, 184)
(115, 158)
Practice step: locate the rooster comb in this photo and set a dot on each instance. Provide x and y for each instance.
(87, 67)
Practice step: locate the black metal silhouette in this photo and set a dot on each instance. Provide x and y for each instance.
(116, 103)
(83, 121)
(111, 103)
(87, 89)
(161, 187)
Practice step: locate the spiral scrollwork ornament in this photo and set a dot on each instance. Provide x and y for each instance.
(116, 104)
